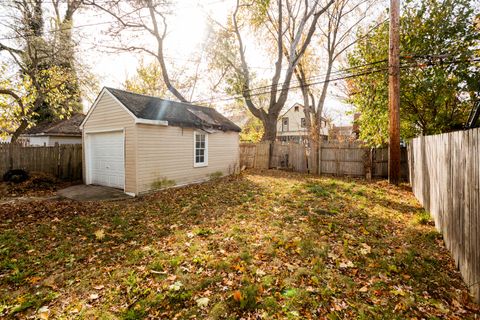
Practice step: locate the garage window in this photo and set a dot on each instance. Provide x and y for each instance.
(200, 150)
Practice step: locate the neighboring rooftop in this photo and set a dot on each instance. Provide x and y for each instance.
(296, 105)
(64, 127)
(176, 113)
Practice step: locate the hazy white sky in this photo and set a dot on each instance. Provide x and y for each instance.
(187, 33)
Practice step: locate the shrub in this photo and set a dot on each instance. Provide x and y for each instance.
(216, 175)
(423, 218)
(162, 183)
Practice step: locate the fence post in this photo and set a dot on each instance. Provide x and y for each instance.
(57, 158)
(319, 164)
(270, 154)
(368, 164)
(10, 156)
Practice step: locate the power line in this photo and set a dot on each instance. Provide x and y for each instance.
(366, 72)
(339, 72)
(60, 30)
(296, 81)
(101, 23)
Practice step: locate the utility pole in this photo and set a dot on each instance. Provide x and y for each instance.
(394, 94)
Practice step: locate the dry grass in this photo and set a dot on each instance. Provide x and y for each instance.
(263, 244)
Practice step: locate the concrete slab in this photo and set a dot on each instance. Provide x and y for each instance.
(83, 192)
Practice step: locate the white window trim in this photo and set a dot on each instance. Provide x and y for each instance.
(303, 124)
(205, 163)
(285, 126)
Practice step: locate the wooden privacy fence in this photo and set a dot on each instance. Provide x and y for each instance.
(335, 158)
(63, 161)
(445, 178)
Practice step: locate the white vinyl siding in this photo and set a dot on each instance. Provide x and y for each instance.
(109, 115)
(296, 123)
(166, 153)
(50, 141)
(155, 152)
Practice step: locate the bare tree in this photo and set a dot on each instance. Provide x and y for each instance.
(337, 35)
(145, 17)
(300, 22)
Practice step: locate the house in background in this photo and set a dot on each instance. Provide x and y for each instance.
(345, 133)
(5, 136)
(291, 126)
(65, 131)
(137, 143)
(340, 133)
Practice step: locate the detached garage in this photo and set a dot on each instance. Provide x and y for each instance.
(137, 143)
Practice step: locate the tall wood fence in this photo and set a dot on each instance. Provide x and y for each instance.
(335, 158)
(445, 178)
(63, 161)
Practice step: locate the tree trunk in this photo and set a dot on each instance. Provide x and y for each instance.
(270, 125)
(21, 128)
(314, 156)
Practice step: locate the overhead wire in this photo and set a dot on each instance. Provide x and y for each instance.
(92, 24)
(308, 84)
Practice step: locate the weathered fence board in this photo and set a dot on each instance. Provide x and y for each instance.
(292, 156)
(340, 159)
(63, 161)
(445, 178)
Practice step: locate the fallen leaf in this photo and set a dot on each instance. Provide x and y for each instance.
(365, 249)
(260, 272)
(93, 296)
(202, 302)
(237, 296)
(176, 286)
(348, 264)
(100, 234)
(43, 313)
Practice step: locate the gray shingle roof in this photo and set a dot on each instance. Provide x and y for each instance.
(70, 127)
(176, 113)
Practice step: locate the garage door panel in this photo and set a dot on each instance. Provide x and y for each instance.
(107, 159)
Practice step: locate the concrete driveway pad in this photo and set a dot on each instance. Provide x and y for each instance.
(83, 192)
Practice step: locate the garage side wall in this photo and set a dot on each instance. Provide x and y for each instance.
(167, 153)
(108, 115)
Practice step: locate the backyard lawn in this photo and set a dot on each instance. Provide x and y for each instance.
(269, 245)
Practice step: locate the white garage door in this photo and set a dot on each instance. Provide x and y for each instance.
(107, 159)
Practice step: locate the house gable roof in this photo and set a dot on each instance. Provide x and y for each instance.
(294, 105)
(174, 113)
(67, 127)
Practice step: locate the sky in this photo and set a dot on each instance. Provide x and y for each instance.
(187, 33)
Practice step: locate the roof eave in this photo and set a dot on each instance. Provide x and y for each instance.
(43, 134)
(151, 122)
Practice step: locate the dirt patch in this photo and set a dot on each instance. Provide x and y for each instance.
(38, 184)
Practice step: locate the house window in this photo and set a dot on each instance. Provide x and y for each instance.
(296, 108)
(200, 149)
(284, 124)
(303, 124)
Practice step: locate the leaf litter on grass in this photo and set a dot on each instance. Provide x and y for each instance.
(256, 245)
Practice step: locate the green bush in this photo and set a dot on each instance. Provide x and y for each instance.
(423, 218)
(162, 183)
(216, 175)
